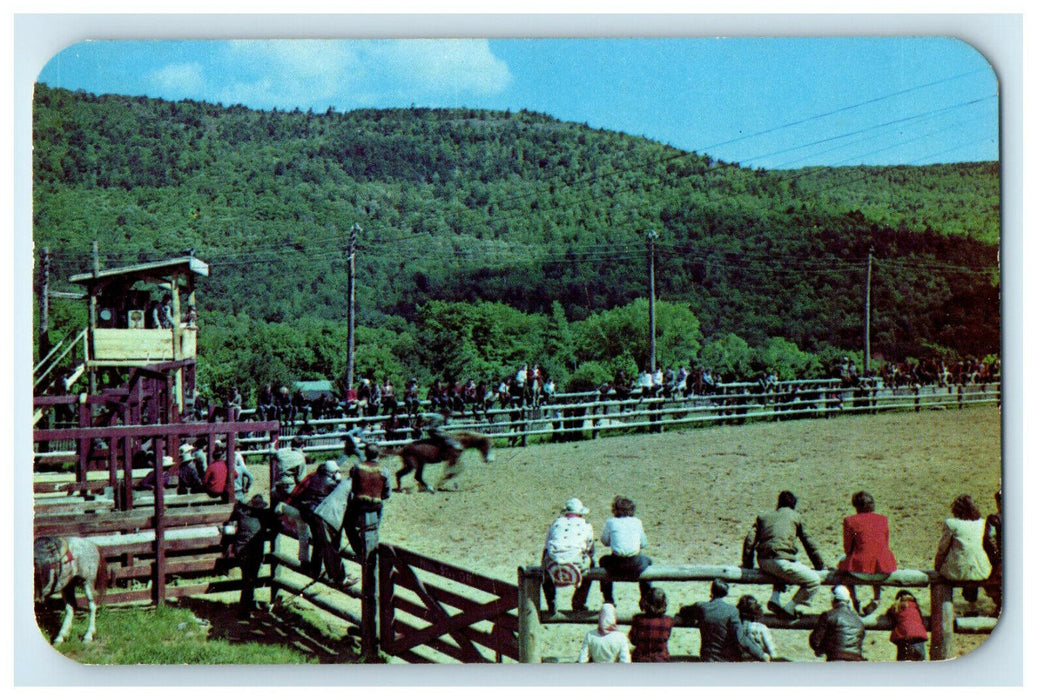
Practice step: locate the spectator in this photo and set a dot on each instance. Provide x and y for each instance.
(255, 523)
(992, 544)
(721, 634)
(243, 479)
(235, 404)
(961, 556)
(651, 629)
(865, 537)
(215, 479)
(908, 631)
(839, 632)
(605, 645)
(312, 491)
(568, 554)
(162, 316)
(371, 486)
(290, 467)
(774, 537)
(190, 479)
(760, 646)
(265, 403)
(388, 402)
(625, 537)
(411, 397)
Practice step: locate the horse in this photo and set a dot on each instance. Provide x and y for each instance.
(421, 452)
(59, 564)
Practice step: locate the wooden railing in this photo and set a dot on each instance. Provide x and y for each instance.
(942, 623)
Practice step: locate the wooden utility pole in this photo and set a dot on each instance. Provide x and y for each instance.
(92, 321)
(350, 373)
(44, 345)
(651, 237)
(866, 314)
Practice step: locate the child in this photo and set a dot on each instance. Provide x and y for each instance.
(908, 632)
(750, 620)
(651, 628)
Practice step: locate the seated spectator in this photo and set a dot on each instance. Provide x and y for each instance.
(721, 634)
(568, 554)
(961, 556)
(865, 537)
(215, 479)
(625, 537)
(838, 634)
(651, 629)
(992, 544)
(774, 537)
(760, 645)
(605, 645)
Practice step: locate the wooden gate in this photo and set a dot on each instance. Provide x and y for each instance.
(455, 612)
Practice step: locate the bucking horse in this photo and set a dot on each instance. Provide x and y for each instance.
(422, 452)
(60, 563)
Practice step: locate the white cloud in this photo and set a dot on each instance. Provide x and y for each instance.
(444, 65)
(288, 73)
(184, 79)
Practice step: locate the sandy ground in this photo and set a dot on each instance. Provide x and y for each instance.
(698, 491)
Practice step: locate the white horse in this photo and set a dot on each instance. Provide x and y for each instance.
(60, 563)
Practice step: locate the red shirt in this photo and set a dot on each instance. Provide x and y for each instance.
(649, 635)
(866, 545)
(909, 625)
(215, 479)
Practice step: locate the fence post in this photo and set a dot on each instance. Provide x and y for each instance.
(942, 622)
(369, 599)
(528, 618)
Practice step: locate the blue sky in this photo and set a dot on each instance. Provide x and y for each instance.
(773, 103)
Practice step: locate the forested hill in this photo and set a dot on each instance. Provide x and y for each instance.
(467, 205)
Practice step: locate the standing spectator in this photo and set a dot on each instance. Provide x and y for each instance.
(235, 404)
(312, 491)
(721, 634)
(760, 645)
(255, 523)
(774, 537)
(371, 486)
(243, 479)
(624, 535)
(651, 629)
(908, 631)
(411, 397)
(839, 632)
(284, 405)
(568, 554)
(290, 468)
(865, 537)
(162, 316)
(265, 403)
(961, 556)
(388, 402)
(992, 543)
(351, 403)
(605, 645)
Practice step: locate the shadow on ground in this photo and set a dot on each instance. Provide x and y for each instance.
(279, 626)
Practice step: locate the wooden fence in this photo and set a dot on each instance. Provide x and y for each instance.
(586, 415)
(941, 623)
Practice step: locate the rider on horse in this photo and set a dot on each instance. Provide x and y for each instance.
(434, 423)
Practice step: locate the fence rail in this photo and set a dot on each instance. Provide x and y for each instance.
(943, 624)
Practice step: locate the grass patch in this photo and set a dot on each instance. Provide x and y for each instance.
(197, 632)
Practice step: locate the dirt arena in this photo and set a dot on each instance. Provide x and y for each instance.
(698, 491)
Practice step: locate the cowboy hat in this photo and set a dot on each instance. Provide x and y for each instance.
(575, 505)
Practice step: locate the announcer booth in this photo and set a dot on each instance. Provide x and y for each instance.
(144, 315)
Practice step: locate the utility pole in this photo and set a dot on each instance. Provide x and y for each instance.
(651, 237)
(350, 374)
(44, 345)
(866, 314)
(93, 320)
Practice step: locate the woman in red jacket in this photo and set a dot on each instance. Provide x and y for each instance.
(866, 547)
